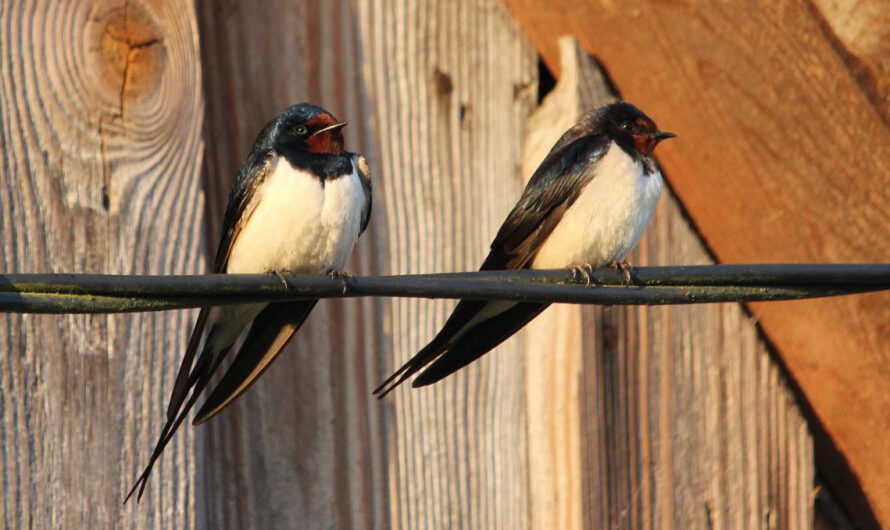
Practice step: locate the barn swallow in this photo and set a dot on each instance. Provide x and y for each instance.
(299, 203)
(586, 206)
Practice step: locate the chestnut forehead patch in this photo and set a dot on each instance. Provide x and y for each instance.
(321, 120)
(647, 124)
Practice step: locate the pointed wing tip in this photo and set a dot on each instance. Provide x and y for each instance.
(203, 416)
(209, 409)
(425, 379)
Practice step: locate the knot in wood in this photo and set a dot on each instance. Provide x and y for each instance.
(444, 84)
(132, 53)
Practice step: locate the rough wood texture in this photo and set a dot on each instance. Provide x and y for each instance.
(304, 447)
(670, 417)
(101, 150)
(451, 85)
(783, 156)
(862, 30)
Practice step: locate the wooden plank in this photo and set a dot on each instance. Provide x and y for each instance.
(667, 417)
(861, 32)
(305, 446)
(100, 123)
(450, 90)
(783, 156)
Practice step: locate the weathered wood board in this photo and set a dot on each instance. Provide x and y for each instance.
(305, 446)
(100, 125)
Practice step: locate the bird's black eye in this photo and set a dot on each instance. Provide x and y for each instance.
(626, 126)
(301, 130)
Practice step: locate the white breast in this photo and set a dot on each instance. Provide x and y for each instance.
(298, 224)
(607, 220)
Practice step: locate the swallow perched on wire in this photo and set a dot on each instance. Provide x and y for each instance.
(586, 206)
(299, 203)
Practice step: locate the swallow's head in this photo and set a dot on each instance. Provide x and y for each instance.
(627, 124)
(308, 128)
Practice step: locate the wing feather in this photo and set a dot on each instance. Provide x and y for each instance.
(241, 204)
(271, 331)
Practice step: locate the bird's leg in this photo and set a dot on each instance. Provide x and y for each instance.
(581, 270)
(282, 279)
(340, 275)
(625, 267)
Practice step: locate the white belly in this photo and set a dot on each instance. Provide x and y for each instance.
(607, 220)
(299, 225)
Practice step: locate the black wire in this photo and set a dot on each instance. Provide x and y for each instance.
(82, 293)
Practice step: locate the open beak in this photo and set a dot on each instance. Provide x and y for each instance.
(333, 127)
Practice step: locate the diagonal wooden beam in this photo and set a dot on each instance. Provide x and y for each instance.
(783, 155)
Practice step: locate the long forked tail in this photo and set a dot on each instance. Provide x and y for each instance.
(197, 380)
(270, 332)
(473, 329)
(414, 365)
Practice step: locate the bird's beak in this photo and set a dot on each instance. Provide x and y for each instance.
(662, 135)
(333, 127)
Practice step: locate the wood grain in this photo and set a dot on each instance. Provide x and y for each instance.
(660, 417)
(783, 156)
(305, 446)
(860, 32)
(101, 116)
(451, 85)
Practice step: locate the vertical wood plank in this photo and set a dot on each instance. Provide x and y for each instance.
(450, 86)
(100, 122)
(304, 447)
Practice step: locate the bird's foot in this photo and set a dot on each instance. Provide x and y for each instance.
(626, 268)
(340, 275)
(282, 279)
(581, 271)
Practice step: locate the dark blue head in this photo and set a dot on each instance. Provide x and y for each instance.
(304, 127)
(620, 121)
(626, 123)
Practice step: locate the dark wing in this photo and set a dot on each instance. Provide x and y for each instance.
(550, 192)
(196, 378)
(479, 340)
(364, 174)
(251, 175)
(271, 331)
